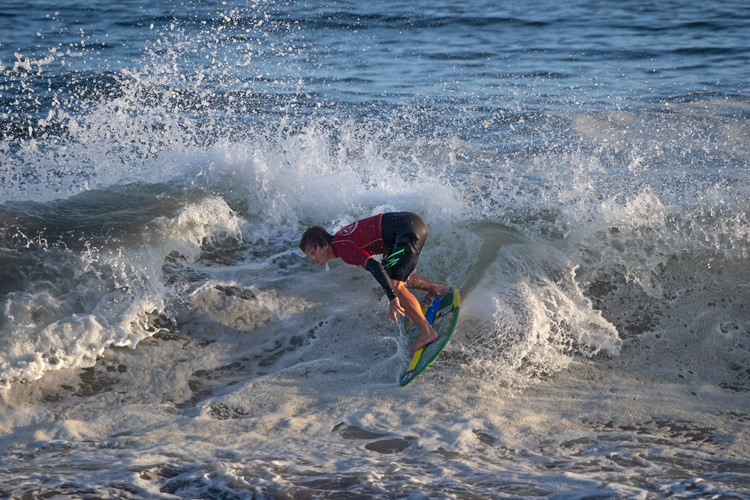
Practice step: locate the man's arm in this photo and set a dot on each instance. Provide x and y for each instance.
(394, 307)
(376, 269)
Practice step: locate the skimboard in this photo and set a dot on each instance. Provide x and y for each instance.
(442, 314)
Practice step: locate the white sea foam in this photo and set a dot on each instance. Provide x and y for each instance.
(102, 301)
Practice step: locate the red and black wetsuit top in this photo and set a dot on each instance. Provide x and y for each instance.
(357, 242)
(399, 236)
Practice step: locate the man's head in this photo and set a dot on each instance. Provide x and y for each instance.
(315, 236)
(316, 244)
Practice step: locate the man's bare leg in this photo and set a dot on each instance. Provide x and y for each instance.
(412, 309)
(434, 290)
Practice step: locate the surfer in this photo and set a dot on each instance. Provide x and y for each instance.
(399, 236)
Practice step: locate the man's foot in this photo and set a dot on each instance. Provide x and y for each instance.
(441, 291)
(424, 340)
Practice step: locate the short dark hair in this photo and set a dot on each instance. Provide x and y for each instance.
(315, 236)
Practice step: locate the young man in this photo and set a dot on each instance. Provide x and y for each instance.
(399, 236)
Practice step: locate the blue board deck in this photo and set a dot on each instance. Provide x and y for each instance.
(442, 314)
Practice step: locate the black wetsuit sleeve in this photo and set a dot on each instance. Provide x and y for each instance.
(376, 269)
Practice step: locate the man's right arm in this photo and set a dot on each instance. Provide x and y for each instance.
(376, 269)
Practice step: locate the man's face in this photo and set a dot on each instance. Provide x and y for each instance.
(319, 255)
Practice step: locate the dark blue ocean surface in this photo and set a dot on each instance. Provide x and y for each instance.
(467, 71)
(502, 54)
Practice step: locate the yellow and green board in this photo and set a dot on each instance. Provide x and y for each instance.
(442, 314)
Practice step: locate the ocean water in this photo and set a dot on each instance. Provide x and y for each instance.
(584, 170)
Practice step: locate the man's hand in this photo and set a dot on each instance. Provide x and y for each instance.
(395, 309)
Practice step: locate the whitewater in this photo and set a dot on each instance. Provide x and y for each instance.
(583, 170)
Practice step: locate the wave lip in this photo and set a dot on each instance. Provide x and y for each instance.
(73, 301)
